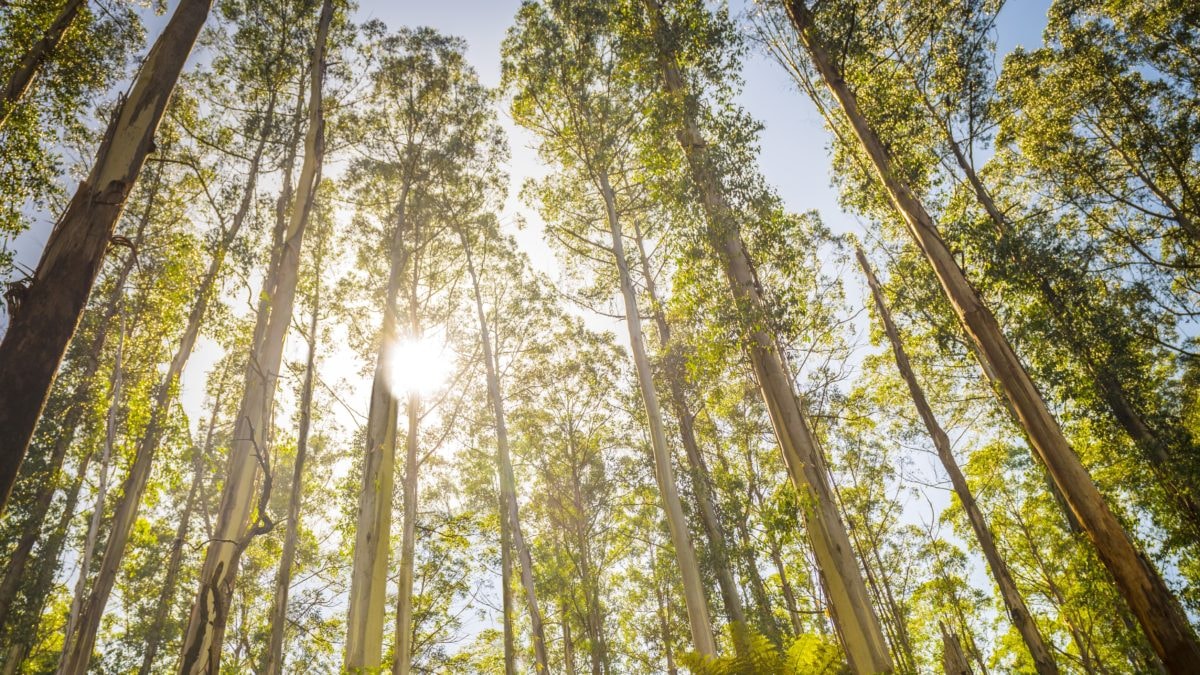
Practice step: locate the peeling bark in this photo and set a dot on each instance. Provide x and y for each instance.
(201, 651)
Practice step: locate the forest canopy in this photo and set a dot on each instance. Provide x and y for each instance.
(335, 343)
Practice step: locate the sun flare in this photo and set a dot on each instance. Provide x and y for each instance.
(420, 365)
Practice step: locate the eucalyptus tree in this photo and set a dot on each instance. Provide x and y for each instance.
(220, 387)
(260, 126)
(1025, 244)
(1144, 589)
(149, 300)
(49, 304)
(201, 650)
(70, 401)
(685, 51)
(492, 261)
(1018, 612)
(586, 118)
(569, 426)
(312, 287)
(427, 122)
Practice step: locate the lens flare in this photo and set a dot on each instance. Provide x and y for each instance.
(419, 365)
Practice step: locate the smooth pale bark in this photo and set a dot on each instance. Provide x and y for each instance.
(26, 71)
(861, 632)
(283, 579)
(1149, 440)
(369, 572)
(80, 643)
(1018, 613)
(674, 370)
(511, 516)
(201, 651)
(402, 663)
(1157, 610)
(685, 556)
(93, 532)
(51, 304)
(954, 662)
(31, 531)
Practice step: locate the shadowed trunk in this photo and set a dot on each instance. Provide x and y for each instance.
(50, 305)
(1155, 449)
(954, 662)
(48, 480)
(30, 66)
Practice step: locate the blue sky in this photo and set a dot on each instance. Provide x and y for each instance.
(794, 142)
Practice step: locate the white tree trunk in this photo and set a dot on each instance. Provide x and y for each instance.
(201, 651)
(685, 555)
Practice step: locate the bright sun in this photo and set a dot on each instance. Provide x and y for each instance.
(419, 365)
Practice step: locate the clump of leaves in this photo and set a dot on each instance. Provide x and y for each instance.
(808, 654)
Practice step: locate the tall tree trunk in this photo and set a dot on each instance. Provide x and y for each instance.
(368, 580)
(862, 635)
(1141, 585)
(402, 659)
(689, 569)
(26, 71)
(93, 533)
(402, 664)
(673, 371)
(201, 652)
(1155, 449)
(79, 645)
(50, 306)
(1018, 613)
(954, 662)
(283, 579)
(508, 482)
(31, 528)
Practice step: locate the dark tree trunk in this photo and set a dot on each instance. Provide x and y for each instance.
(50, 306)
